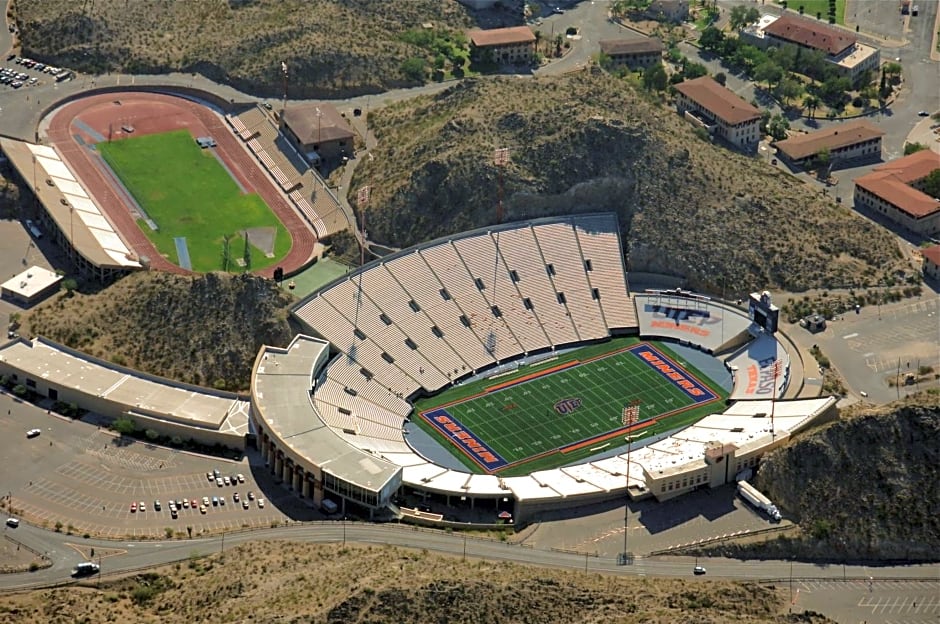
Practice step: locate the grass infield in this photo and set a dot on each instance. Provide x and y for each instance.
(188, 193)
(559, 412)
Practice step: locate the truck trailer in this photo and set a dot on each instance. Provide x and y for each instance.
(752, 495)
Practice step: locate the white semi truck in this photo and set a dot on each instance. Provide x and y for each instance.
(752, 495)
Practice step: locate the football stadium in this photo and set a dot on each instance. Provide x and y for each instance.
(505, 372)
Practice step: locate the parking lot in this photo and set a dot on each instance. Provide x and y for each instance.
(878, 602)
(88, 479)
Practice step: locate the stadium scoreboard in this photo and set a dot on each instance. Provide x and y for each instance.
(762, 312)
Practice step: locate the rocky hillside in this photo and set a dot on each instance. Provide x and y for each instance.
(289, 582)
(333, 47)
(866, 487)
(203, 329)
(590, 142)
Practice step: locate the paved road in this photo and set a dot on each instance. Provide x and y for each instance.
(153, 553)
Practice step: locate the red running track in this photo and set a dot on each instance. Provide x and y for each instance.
(150, 113)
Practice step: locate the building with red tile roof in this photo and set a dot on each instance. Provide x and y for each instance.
(846, 142)
(931, 257)
(721, 111)
(895, 190)
(504, 45)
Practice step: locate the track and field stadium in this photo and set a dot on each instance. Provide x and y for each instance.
(124, 186)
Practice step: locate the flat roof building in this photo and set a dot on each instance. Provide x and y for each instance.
(719, 110)
(846, 142)
(168, 407)
(895, 190)
(32, 285)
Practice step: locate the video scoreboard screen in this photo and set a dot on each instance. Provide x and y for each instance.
(762, 312)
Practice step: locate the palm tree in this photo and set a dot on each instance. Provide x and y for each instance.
(811, 102)
(538, 39)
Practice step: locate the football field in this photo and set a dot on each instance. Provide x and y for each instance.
(195, 203)
(556, 413)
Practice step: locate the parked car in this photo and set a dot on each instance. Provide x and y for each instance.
(260, 503)
(241, 478)
(186, 504)
(133, 507)
(194, 503)
(235, 497)
(226, 480)
(218, 481)
(32, 433)
(142, 506)
(923, 114)
(174, 514)
(245, 504)
(215, 501)
(156, 505)
(222, 500)
(202, 509)
(210, 477)
(205, 501)
(251, 495)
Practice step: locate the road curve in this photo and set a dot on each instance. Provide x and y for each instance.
(155, 553)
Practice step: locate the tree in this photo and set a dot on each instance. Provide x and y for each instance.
(790, 88)
(654, 77)
(721, 79)
(691, 70)
(742, 15)
(778, 126)
(538, 39)
(931, 184)
(413, 68)
(823, 158)
(811, 102)
(70, 286)
(711, 39)
(768, 72)
(911, 148)
(124, 425)
(603, 60)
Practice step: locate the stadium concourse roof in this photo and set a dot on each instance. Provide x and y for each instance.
(69, 204)
(147, 395)
(281, 387)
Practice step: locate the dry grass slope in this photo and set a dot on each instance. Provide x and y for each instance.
(588, 142)
(287, 582)
(333, 47)
(865, 487)
(204, 329)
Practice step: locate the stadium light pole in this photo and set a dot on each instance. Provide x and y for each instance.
(284, 101)
(630, 417)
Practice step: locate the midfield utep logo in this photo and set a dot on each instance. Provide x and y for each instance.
(566, 406)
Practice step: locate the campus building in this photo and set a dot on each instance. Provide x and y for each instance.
(31, 286)
(839, 47)
(931, 257)
(710, 105)
(633, 53)
(846, 143)
(895, 190)
(167, 407)
(675, 11)
(515, 45)
(318, 131)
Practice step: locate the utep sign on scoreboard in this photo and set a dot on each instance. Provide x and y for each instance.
(764, 314)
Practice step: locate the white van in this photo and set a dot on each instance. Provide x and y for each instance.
(85, 568)
(33, 229)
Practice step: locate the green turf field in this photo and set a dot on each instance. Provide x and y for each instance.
(521, 424)
(188, 193)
